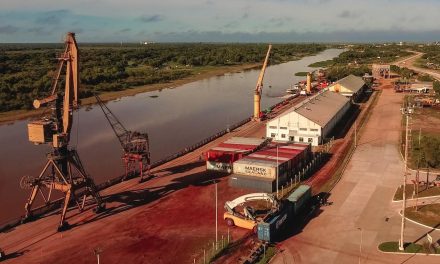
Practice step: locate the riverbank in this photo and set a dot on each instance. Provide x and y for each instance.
(199, 74)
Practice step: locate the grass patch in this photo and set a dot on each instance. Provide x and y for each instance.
(322, 64)
(423, 191)
(393, 246)
(270, 252)
(426, 214)
(301, 74)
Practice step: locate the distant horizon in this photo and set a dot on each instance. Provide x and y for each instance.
(278, 21)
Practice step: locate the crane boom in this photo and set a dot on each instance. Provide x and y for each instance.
(259, 87)
(118, 128)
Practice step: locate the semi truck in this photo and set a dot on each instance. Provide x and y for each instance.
(297, 202)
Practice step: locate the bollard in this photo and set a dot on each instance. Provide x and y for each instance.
(204, 256)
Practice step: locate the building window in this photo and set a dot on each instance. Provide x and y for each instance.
(301, 139)
(291, 138)
(314, 129)
(283, 135)
(303, 129)
(283, 127)
(310, 140)
(273, 127)
(272, 135)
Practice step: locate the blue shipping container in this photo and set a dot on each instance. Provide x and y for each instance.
(268, 230)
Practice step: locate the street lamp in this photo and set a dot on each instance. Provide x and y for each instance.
(216, 214)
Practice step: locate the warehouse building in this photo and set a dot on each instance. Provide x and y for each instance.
(310, 121)
(350, 86)
(259, 170)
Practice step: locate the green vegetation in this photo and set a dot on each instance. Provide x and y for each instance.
(436, 87)
(428, 214)
(270, 252)
(26, 71)
(424, 191)
(431, 58)
(358, 58)
(403, 72)
(322, 64)
(393, 246)
(428, 153)
(301, 74)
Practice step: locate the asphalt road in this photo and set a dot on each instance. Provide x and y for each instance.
(362, 214)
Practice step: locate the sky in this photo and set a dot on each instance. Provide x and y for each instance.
(220, 20)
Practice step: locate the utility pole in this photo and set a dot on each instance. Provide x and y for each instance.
(402, 228)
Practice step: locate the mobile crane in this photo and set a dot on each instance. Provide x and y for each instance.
(135, 145)
(63, 170)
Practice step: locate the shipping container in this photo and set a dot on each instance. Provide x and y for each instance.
(221, 157)
(283, 158)
(270, 229)
(299, 198)
(255, 183)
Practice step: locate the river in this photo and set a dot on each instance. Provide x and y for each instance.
(176, 118)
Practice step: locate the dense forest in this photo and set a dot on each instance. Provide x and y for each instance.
(26, 71)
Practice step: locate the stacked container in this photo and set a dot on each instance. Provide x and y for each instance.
(260, 170)
(221, 157)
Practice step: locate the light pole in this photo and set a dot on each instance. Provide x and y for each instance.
(97, 252)
(277, 171)
(402, 226)
(360, 245)
(355, 133)
(216, 215)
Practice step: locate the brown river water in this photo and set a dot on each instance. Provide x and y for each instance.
(176, 118)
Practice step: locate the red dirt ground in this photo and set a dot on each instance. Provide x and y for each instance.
(167, 219)
(173, 212)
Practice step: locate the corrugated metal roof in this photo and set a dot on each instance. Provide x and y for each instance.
(320, 108)
(229, 149)
(268, 155)
(238, 144)
(352, 83)
(245, 141)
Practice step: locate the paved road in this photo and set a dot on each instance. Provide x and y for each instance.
(408, 62)
(362, 199)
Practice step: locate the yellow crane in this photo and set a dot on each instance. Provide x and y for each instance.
(259, 87)
(64, 171)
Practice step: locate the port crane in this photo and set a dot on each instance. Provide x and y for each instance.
(135, 145)
(259, 88)
(63, 170)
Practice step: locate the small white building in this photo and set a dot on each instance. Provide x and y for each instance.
(310, 121)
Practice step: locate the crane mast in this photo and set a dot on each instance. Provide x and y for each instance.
(259, 87)
(63, 170)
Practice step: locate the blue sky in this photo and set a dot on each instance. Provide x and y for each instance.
(220, 21)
